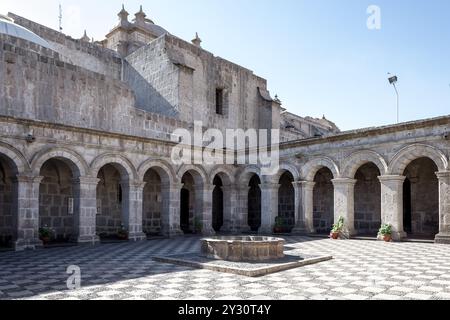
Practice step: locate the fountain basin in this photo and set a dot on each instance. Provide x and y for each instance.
(245, 248)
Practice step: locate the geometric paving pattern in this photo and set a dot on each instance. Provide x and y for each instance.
(360, 270)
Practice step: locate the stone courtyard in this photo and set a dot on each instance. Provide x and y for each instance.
(361, 270)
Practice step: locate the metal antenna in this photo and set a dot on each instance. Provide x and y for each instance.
(60, 18)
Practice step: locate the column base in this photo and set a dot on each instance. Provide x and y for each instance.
(208, 232)
(399, 236)
(138, 236)
(301, 230)
(30, 244)
(87, 240)
(265, 230)
(172, 233)
(442, 238)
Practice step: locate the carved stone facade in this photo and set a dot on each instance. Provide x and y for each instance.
(85, 149)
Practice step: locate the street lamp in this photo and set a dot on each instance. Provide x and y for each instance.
(393, 80)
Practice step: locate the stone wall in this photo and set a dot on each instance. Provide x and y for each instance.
(152, 203)
(54, 193)
(7, 196)
(286, 201)
(367, 200)
(87, 55)
(109, 198)
(424, 197)
(323, 201)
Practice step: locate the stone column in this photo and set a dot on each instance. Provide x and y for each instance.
(344, 204)
(132, 208)
(392, 204)
(444, 208)
(304, 207)
(85, 210)
(231, 219)
(242, 209)
(204, 199)
(269, 206)
(170, 215)
(27, 218)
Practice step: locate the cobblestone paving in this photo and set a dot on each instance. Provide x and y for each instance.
(361, 270)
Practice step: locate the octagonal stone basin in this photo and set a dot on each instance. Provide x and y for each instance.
(246, 248)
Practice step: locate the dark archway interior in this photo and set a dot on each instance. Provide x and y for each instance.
(109, 202)
(323, 201)
(187, 204)
(421, 199)
(56, 200)
(217, 208)
(8, 196)
(367, 195)
(254, 204)
(286, 202)
(152, 204)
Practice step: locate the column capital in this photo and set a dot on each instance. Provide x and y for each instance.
(304, 184)
(269, 186)
(443, 174)
(29, 178)
(133, 183)
(344, 181)
(172, 186)
(86, 180)
(394, 178)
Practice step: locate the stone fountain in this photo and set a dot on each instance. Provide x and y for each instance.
(244, 248)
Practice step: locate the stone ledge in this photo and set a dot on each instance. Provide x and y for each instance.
(292, 260)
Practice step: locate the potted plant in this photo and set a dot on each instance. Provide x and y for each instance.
(386, 232)
(45, 234)
(198, 225)
(278, 227)
(122, 234)
(337, 229)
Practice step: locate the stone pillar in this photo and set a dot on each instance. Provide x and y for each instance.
(85, 210)
(27, 218)
(304, 207)
(269, 206)
(132, 208)
(242, 209)
(444, 208)
(231, 218)
(392, 204)
(170, 215)
(204, 199)
(344, 204)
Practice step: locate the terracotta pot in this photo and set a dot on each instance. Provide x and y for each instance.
(387, 238)
(335, 235)
(45, 240)
(122, 237)
(277, 230)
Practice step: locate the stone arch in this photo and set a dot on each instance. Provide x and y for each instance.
(360, 158)
(122, 164)
(244, 175)
(15, 158)
(310, 169)
(75, 161)
(198, 173)
(287, 167)
(164, 169)
(225, 174)
(410, 153)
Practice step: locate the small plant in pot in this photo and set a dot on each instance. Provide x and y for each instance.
(337, 229)
(122, 234)
(386, 232)
(45, 234)
(279, 226)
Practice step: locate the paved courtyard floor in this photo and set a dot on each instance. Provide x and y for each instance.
(360, 270)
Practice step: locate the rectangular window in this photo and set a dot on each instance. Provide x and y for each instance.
(219, 101)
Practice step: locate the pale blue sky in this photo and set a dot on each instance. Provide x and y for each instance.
(317, 55)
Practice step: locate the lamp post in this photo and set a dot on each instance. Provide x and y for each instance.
(393, 80)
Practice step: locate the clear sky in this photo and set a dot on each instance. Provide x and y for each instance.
(317, 55)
